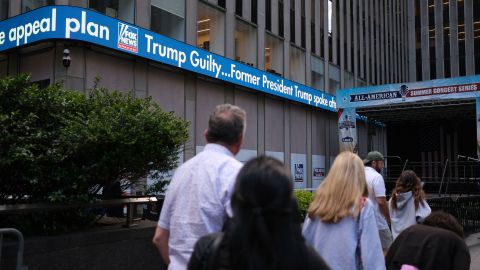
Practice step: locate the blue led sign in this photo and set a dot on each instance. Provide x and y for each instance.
(66, 22)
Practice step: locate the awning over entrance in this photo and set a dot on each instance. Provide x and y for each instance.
(431, 128)
(435, 91)
(422, 111)
(442, 99)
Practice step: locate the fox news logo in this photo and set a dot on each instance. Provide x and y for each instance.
(127, 37)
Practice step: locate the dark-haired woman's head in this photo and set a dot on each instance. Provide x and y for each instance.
(263, 186)
(264, 233)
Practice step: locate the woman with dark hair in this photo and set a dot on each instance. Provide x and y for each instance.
(264, 232)
(407, 205)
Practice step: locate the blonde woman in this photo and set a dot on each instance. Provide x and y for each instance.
(341, 224)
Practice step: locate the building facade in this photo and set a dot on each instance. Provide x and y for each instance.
(444, 37)
(323, 45)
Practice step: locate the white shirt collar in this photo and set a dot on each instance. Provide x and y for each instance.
(215, 147)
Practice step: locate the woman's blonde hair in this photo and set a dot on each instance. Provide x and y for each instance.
(339, 194)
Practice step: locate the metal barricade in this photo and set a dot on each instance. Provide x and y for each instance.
(18, 234)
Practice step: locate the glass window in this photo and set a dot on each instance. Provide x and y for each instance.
(292, 23)
(168, 18)
(268, 15)
(210, 29)
(121, 9)
(297, 65)
(245, 43)
(254, 11)
(28, 5)
(280, 18)
(333, 79)
(221, 3)
(318, 73)
(3, 9)
(273, 55)
(239, 7)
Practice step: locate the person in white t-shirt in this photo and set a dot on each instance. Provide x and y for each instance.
(198, 198)
(374, 164)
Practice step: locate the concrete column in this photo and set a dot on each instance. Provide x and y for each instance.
(318, 20)
(260, 124)
(328, 143)
(382, 41)
(361, 39)
(143, 13)
(247, 9)
(261, 34)
(78, 3)
(191, 22)
(439, 54)
(400, 41)
(230, 30)
(349, 15)
(190, 108)
(341, 33)
(309, 170)
(326, 45)
(368, 28)
(412, 66)
(334, 32)
(405, 42)
(453, 21)
(229, 93)
(13, 64)
(308, 43)
(424, 40)
(286, 124)
(298, 23)
(469, 40)
(387, 40)
(377, 41)
(372, 42)
(355, 30)
(286, 41)
(396, 34)
(274, 16)
(15, 8)
(140, 77)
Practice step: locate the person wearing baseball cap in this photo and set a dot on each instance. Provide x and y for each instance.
(374, 163)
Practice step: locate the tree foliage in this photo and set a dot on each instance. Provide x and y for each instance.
(58, 145)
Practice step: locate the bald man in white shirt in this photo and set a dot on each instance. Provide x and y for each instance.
(198, 198)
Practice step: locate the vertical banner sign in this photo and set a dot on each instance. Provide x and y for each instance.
(478, 128)
(347, 130)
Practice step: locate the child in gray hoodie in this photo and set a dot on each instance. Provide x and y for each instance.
(407, 205)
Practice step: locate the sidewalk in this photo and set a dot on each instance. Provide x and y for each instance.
(473, 243)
